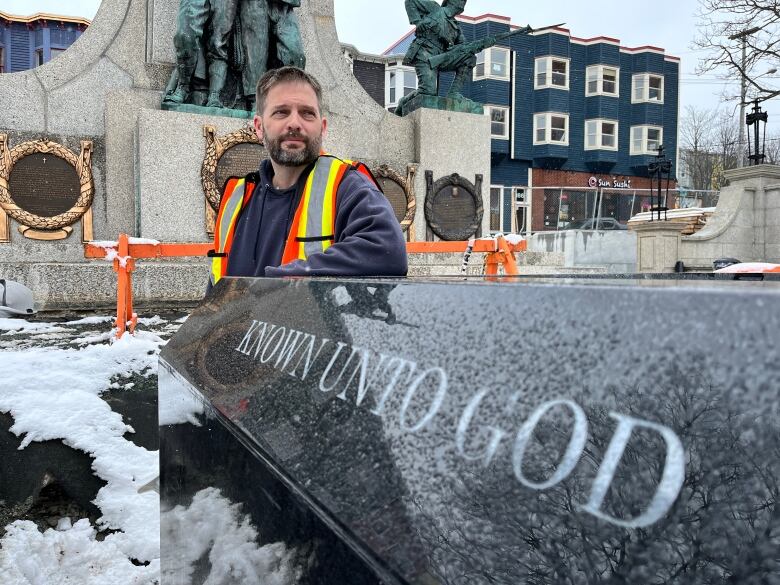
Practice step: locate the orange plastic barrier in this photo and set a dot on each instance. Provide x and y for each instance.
(124, 254)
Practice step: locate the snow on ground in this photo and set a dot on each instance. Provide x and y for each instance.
(53, 391)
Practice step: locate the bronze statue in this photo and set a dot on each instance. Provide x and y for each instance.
(224, 46)
(439, 45)
(436, 31)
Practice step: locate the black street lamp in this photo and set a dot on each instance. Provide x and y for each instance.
(753, 119)
(658, 169)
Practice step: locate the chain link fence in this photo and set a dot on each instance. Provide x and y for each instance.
(586, 208)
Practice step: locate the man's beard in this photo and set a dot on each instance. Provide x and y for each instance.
(294, 158)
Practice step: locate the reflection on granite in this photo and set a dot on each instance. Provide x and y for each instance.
(466, 433)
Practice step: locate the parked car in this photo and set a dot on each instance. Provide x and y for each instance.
(597, 223)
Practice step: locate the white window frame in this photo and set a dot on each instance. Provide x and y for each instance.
(548, 116)
(500, 189)
(645, 88)
(485, 58)
(400, 72)
(489, 113)
(548, 72)
(526, 204)
(643, 129)
(599, 71)
(600, 134)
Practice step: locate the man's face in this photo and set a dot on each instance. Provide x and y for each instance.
(290, 125)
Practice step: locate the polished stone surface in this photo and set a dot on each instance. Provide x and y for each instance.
(463, 432)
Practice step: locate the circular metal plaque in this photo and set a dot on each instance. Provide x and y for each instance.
(399, 192)
(238, 161)
(396, 194)
(44, 184)
(453, 209)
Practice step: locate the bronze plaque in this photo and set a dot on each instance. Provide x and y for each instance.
(395, 195)
(455, 211)
(44, 184)
(239, 160)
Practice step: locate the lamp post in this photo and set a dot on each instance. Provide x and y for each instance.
(753, 119)
(743, 88)
(659, 168)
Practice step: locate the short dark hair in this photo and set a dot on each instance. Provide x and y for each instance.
(288, 74)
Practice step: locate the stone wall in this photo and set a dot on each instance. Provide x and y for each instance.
(746, 222)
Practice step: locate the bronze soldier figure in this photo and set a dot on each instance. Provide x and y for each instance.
(225, 46)
(436, 32)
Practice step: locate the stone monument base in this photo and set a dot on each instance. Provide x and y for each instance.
(93, 285)
(440, 147)
(193, 109)
(435, 102)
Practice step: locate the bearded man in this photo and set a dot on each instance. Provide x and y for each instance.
(304, 213)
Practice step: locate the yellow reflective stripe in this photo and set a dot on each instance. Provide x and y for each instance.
(327, 205)
(225, 224)
(305, 214)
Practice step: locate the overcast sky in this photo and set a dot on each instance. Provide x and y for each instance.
(373, 25)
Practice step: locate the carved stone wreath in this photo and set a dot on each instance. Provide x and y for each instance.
(215, 148)
(83, 166)
(407, 184)
(470, 225)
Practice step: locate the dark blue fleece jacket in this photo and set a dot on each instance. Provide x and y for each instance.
(368, 239)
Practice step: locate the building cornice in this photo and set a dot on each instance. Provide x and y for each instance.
(497, 18)
(43, 16)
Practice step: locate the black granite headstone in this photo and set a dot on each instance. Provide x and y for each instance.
(475, 433)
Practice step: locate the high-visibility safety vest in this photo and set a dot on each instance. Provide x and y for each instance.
(314, 224)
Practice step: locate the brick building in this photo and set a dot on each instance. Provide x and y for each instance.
(29, 41)
(575, 122)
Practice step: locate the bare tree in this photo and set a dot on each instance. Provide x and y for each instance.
(727, 146)
(724, 25)
(696, 138)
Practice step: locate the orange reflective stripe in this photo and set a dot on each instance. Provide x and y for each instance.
(235, 197)
(292, 245)
(305, 206)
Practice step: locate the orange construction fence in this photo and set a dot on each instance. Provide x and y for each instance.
(123, 253)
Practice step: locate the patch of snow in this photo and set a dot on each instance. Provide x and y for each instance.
(96, 320)
(13, 326)
(177, 405)
(93, 337)
(54, 394)
(156, 320)
(69, 554)
(148, 241)
(213, 524)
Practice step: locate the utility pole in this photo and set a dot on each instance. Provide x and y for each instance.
(743, 89)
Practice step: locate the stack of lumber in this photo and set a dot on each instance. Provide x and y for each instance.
(694, 217)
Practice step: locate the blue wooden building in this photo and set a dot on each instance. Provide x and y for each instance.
(29, 41)
(566, 113)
